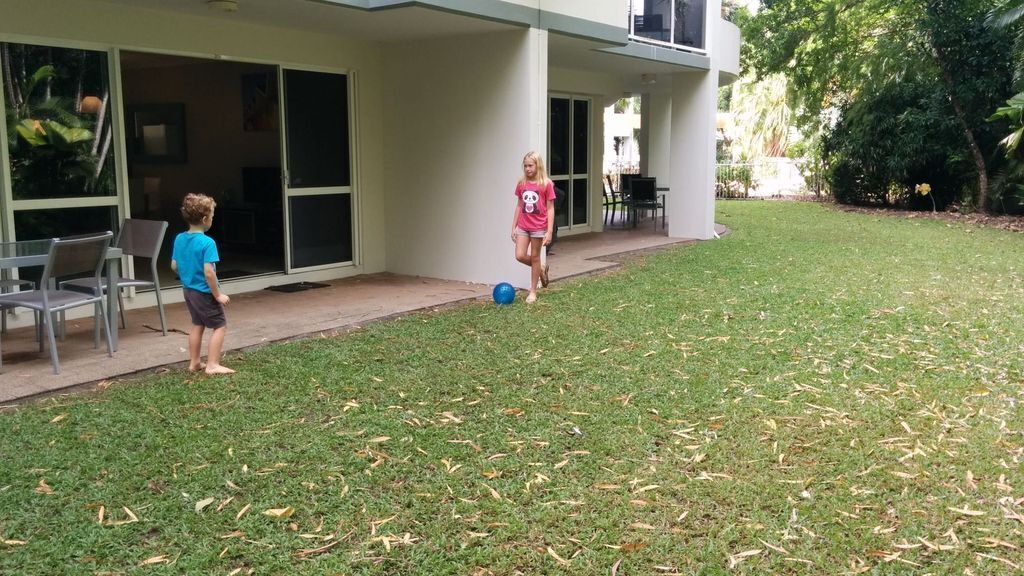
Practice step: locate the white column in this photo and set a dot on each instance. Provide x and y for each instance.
(659, 135)
(538, 75)
(691, 202)
(644, 145)
(539, 90)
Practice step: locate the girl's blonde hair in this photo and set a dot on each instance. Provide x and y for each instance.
(542, 173)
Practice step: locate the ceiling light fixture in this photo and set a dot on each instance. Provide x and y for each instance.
(223, 5)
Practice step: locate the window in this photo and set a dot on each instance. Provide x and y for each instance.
(678, 23)
(59, 133)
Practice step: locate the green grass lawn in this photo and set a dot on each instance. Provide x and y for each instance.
(817, 393)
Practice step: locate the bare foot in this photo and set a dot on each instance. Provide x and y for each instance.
(197, 367)
(218, 369)
(531, 298)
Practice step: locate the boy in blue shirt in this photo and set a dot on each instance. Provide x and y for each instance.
(195, 260)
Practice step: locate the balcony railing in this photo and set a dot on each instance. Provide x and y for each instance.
(675, 24)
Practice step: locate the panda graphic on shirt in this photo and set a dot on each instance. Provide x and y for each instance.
(530, 199)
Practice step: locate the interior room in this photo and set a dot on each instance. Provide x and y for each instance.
(212, 127)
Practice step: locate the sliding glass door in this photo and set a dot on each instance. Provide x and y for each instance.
(318, 175)
(569, 159)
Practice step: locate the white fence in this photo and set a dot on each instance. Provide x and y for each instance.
(770, 177)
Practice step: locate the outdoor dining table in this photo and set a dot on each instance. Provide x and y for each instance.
(26, 253)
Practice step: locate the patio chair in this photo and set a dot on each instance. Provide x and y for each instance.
(5, 286)
(67, 257)
(612, 200)
(139, 238)
(626, 194)
(645, 197)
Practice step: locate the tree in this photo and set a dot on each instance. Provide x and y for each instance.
(763, 113)
(838, 52)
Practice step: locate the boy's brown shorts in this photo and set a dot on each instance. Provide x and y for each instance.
(205, 309)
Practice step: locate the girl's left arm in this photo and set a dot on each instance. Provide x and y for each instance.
(550, 213)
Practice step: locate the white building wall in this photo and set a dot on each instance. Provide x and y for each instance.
(610, 12)
(100, 26)
(460, 115)
(659, 161)
(727, 48)
(624, 125)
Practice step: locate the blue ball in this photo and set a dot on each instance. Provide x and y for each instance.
(504, 293)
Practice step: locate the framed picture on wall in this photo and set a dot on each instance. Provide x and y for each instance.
(259, 102)
(157, 133)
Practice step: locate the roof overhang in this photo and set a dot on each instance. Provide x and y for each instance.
(636, 65)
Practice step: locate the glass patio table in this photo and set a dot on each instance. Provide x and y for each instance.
(27, 253)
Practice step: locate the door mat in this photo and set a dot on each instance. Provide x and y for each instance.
(296, 286)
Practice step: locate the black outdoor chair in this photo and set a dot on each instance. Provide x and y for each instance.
(626, 194)
(612, 200)
(645, 197)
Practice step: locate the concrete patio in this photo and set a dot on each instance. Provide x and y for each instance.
(261, 317)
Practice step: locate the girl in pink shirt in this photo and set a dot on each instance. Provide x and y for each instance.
(534, 220)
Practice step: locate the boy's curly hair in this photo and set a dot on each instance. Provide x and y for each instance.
(196, 207)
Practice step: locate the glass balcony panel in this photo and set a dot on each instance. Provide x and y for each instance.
(678, 22)
(689, 23)
(652, 20)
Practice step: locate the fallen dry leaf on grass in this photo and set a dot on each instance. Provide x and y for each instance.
(557, 558)
(965, 511)
(741, 556)
(279, 513)
(306, 553)
(243, 511)
(132, 518)
(203, 504)
(154, 560)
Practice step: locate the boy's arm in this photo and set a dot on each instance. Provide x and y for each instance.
(174, 266)
(211, 280)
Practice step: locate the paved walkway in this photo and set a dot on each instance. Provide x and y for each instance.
(261, 317)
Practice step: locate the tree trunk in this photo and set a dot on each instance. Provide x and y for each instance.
(5, 52)
(972, 144)
(101, 116)
(100, 125)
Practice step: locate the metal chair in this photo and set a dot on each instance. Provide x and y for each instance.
(645, 197)
(612, 200)
(5, 286)
(626, 193)
(139, 238)
(67, 257)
